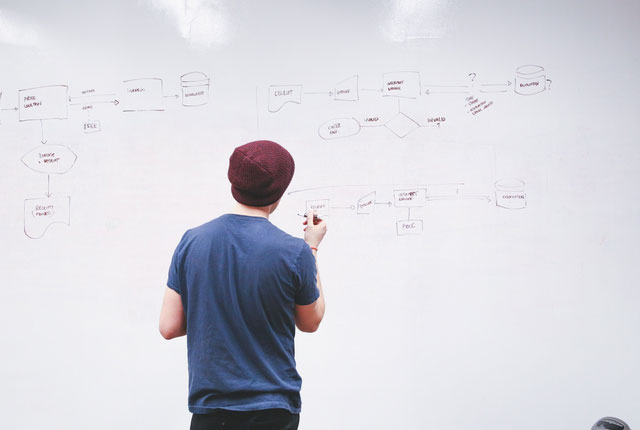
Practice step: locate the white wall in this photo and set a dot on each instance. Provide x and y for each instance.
(489, 318)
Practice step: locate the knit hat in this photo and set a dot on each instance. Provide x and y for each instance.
(260, 172)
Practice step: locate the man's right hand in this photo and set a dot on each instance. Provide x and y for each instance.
(315, 230)
(308, 317)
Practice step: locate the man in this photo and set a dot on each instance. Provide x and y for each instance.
(237, 288)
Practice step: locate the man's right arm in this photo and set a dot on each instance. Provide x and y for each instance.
(308, 317)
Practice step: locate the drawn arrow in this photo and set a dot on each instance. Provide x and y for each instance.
(13, 108)
(115, 103)
(371, 89)
(383, 203)
(89, 96)
(428, 92)
(330, 93)
(470, 197)
(432, 91)
(42, 133)
(508, 84)
(446, 89)
(352, 207)
(48, 185)
(447, 86)
(175, 96)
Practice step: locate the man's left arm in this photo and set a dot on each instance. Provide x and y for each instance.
(172, 319)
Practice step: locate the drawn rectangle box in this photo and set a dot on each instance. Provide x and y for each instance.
(91, 126)
(401, 84)
(410, 198)
(409, 227)
(142, 95)
(320, 206)
(48, 102)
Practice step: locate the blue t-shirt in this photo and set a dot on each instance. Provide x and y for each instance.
(239, 278)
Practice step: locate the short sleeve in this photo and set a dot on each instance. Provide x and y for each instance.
(306, 289)
(176, 279)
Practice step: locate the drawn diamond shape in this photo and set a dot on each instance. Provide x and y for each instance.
(401, 125)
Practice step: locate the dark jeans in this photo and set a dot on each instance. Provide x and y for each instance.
(266, 419)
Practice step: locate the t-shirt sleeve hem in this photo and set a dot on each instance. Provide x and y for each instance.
(173, 287)
(307, 301)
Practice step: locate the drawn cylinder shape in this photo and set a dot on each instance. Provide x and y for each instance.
(195, 89)
(510, 194)
(530, 80)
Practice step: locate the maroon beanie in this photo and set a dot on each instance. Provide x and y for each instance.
(260, 172)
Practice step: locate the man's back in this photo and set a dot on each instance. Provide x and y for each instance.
(238, 287)
(240, 278)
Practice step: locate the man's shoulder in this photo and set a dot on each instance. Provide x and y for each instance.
(281, 239)
(228, 224)
(203, 231)
(216, 223)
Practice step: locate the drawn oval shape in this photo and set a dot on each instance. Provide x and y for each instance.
(339, 127)
(529, 69)
(50, 159)
(510, 184)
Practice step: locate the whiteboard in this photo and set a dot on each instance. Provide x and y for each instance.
(477, 163)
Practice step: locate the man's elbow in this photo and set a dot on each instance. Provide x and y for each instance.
(166, 333)
(308, 328)
(170, 332)
(309, 317)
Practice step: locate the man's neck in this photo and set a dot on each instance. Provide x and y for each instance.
(262, 211)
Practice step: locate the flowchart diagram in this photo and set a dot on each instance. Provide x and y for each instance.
(476, 96)
(508, 193)
(53, 102)
(139, 95)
